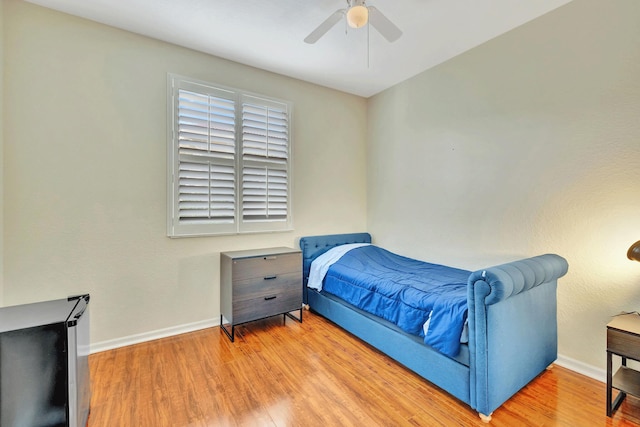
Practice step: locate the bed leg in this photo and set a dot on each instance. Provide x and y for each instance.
(550, 367)
(305, 306)
(485, 418)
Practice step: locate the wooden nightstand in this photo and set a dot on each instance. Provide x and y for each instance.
(259, 283)
(623, 339)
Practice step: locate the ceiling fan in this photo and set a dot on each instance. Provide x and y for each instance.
(358, 14)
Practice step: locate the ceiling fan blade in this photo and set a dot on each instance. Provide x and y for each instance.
(385, 27)
(322, 29)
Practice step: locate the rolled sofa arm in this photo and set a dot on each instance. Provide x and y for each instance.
(512, 327)
(512, 278)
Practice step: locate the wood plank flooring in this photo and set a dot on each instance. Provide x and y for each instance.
(310, 374)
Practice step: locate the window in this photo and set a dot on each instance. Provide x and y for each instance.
(229, 161)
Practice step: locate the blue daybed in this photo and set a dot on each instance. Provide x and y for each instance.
(512, 327)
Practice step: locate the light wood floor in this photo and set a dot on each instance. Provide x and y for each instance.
(310, 374)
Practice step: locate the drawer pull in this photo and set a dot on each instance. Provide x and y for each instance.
(270, 277)
(271, 257)
(270, 298)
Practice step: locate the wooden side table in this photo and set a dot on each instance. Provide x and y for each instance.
(623, 339)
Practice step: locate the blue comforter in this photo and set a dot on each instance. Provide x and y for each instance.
(405, 292)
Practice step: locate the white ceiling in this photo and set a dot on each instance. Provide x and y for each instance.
(269, 34)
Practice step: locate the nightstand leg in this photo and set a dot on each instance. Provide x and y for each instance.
(609, 366)
(230, 335)
(618, 400)
(293, 317)
(612, 406)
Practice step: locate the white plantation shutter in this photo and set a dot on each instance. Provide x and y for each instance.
(264, 194)
(229, 160)
(206, 125)
(206, 147)
(206, 192)
(265, 155)
(265, 131)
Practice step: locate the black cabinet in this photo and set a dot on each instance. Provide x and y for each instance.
(44, 363)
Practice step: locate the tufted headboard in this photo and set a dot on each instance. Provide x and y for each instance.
(314, 246)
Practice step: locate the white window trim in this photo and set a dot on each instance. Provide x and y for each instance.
(177, 228)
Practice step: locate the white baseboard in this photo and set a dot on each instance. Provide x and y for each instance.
(153, 335)
(582, 368)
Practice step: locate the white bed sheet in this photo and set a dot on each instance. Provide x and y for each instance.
(321, 264)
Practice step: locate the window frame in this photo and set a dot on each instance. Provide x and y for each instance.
(177, 227)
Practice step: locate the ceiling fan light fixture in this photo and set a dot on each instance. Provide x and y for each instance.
(357, 16)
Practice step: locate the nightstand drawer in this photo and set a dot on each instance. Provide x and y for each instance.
(623, 343)
(258, 308)
(265, 286)
(266, 266)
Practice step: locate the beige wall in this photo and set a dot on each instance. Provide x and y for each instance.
(85, 167)
(527, 144)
